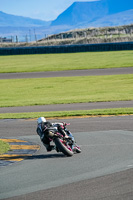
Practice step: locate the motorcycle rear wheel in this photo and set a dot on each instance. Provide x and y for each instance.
(63, 148)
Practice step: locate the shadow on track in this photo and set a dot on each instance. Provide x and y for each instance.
(45, 156)
(31, 157)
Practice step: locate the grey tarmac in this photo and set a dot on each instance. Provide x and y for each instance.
(48, 74)
(102, 171)
(68, 107)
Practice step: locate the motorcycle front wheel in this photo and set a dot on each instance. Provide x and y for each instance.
(64, 148)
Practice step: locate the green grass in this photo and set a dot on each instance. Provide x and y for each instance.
(61, 114)
(24, 92)
(70, 61)
(4, 147)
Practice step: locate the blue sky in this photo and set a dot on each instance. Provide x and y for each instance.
(38, 9)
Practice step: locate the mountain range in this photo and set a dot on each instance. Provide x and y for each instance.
(78, 15)
(19, 21)
(84, 13)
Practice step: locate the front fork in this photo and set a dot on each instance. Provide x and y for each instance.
(69, 134)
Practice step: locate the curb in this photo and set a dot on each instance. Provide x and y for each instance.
(19, 150)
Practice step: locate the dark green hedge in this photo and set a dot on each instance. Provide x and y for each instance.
(67, 48)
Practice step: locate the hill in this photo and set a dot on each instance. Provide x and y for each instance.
(81, 14)
(18, 21)
(121, 18)
(116, 6)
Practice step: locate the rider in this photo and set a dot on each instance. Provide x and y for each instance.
(43, 126)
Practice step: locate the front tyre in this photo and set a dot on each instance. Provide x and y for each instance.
(66, 149)
(77, 149)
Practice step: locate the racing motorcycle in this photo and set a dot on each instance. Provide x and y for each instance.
(65, 144)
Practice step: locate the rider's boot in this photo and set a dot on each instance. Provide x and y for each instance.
(50, 148)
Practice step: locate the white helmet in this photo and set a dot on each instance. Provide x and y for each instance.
(41, 119)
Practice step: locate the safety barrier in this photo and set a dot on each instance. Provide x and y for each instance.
(67, 48)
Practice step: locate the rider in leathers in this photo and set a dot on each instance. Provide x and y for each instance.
(44, 126)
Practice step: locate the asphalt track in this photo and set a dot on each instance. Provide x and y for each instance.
(90, 72)
(68, 107)
(103, 171)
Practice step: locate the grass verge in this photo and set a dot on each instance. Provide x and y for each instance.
(67, 61)
(42, 91)
(4, 147)
(64, 114)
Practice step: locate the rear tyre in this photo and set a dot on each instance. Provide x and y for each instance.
(63, 148)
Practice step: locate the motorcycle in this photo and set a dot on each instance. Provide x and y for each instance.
(65, 144)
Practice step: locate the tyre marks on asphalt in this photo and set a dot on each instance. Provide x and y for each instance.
(19, 150)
